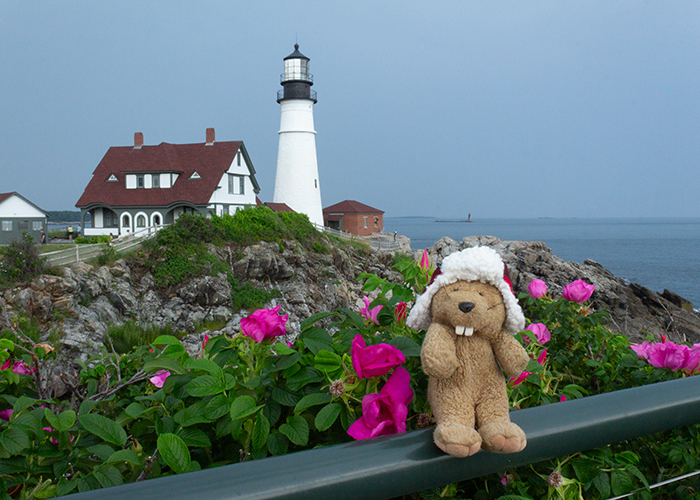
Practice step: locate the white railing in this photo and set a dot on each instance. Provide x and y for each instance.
(80, 253)
(374, 244)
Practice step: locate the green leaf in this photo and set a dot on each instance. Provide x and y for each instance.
(602, 484)
(305, 376)
(102, 451)
(316, 339)
(128, 456)
(29, 423)
(7, 344)
(327, 416)
(283, 349)
(284, 397)
(310, 400)
(104, 428)
(585, 469)
(108, 476)
(14, 440)
(327, 361)
(634, 470)
(134, 410)
(277, 443)
(261, 431)
(62, 422)
(166, 340)
(194, 437)
(315, 318)
(86, 407)
(204, 385)
(63, 488)
(206, 365)
(164, 363)
(243, 407)
(406, 346)
(297, 430)
(174, 452)
(193, 414)
(620, 482)
(22, 403)
(217, 407)
(287, 361)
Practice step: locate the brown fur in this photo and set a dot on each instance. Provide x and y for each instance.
(467, 390)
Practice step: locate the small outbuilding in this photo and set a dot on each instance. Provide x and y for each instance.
(19, 215)
(354, 217)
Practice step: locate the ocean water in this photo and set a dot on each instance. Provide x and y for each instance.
(657, 253)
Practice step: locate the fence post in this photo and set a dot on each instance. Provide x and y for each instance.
(77, 253)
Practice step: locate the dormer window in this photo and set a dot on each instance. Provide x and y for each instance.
(139, 181)
(155, 180)
(238, 158)
(236, 184)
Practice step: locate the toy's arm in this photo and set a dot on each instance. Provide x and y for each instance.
(438, 354)
(510, 354)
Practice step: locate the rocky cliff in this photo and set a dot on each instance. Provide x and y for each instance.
(78, 307)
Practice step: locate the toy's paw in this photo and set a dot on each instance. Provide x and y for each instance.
(457, 440)
(502, 437)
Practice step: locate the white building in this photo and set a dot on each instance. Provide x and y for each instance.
(297, 183)
(19, 215)
(135, 187)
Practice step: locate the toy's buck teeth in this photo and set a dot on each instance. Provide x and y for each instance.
(463, 330)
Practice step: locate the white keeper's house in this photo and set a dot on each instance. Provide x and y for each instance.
(135, 187)
(19, 215)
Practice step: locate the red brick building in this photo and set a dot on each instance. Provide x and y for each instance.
(354, 217)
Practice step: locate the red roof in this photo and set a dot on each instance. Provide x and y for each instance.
(5, 195)
(279, 207)
(350, 207)
(210, 162)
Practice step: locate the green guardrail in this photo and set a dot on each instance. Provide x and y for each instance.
(387, 467)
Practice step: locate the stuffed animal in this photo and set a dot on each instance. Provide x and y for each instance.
(470, 313)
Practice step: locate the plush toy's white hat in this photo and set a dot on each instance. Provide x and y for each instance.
(471, 264)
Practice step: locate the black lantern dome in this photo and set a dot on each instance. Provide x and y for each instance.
(296, 79)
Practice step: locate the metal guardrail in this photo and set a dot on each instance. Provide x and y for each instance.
(396, 465)
(80, 253)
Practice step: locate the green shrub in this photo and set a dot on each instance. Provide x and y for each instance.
(91, 240)
(246, 296)
(130, 334)
(320, 248)
(21, 261)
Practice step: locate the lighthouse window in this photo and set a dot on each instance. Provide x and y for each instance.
(236, 184)
(365, 218)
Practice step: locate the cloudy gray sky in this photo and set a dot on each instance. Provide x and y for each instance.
(501, 109)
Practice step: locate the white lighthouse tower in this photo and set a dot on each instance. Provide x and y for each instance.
(297, 183)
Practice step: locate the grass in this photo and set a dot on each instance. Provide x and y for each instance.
(131, 334)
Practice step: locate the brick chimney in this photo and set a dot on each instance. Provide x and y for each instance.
(138, 140)
(210, 137)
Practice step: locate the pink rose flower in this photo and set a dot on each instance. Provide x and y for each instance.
(542, 357)
(400, 312)
(370, 314)
(22, 368)
(204, 342)
(159, 378)
(562, 398)
(519, 379)
(6, 364)
(542, 333)
(668, 355)
(386, 412)
(264, 324)
(578, 291)
(5, 414)
(537, 289)
(375, 360)
(641, 349)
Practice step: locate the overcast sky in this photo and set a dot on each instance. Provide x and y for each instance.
(499, 109)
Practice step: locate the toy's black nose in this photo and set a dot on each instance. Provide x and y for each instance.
(465, 307)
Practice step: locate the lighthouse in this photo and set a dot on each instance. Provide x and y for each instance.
(296, 182)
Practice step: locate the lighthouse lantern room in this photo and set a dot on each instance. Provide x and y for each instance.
(296, 182)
